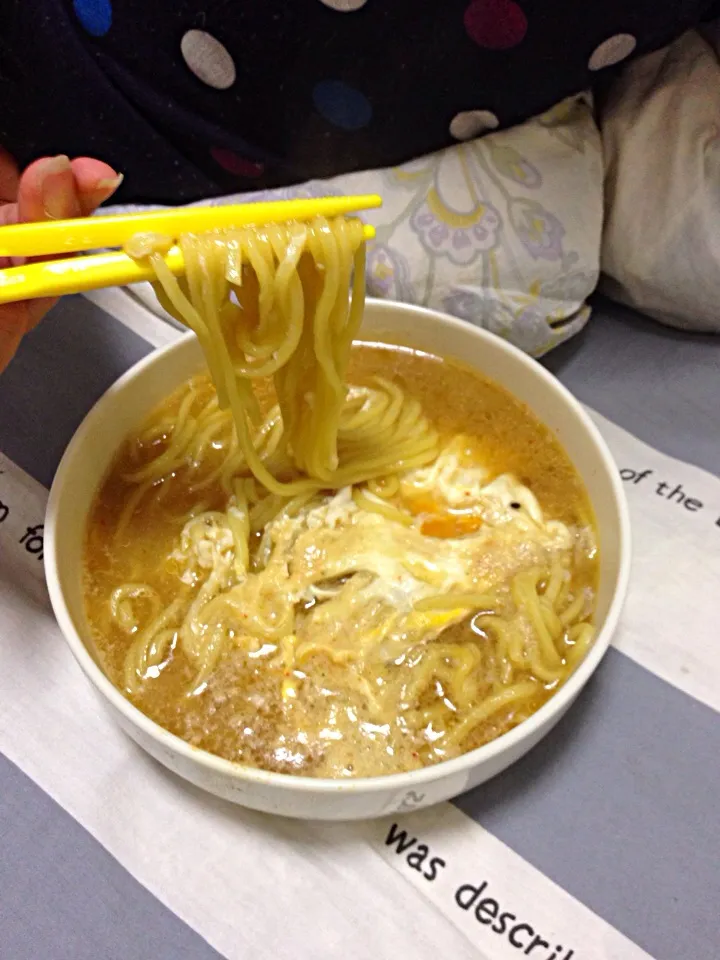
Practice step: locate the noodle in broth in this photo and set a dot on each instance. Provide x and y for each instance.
(321, 579)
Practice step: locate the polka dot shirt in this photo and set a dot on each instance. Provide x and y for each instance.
(191, 98)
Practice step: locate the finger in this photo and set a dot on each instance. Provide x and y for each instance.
(96, 182)
(9, 177)
(36, 310)
(47, 191)
(13, 324)
(17, 319)
(50, 188)
(54, 188)
(8, 214)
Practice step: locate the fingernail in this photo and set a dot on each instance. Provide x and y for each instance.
(49, 165)
(56, 188)
(103, 190)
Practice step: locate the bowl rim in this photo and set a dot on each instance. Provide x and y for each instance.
(244, 773)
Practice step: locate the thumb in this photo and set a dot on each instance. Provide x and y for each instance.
(53, 188)
(47, 191)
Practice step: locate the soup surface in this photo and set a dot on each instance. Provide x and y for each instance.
(401, 623)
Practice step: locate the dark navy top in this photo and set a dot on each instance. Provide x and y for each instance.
(194, 98)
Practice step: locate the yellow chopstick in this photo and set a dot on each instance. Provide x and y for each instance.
(56, 278)
(78, 274)
(97, 233)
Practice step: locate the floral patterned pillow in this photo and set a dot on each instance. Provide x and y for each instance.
(503, 231)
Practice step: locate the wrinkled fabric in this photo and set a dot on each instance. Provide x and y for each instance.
(661, 138)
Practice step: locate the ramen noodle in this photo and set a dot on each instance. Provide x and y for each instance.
(332, 580)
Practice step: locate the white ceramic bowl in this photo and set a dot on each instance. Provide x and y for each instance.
(125, 404)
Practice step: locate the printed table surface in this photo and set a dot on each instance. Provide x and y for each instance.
(63, 895)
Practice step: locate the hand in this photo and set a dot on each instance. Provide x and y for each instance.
(53, 188)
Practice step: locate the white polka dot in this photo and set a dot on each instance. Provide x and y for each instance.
(612, 51)
(344, 6)
(208, 59)
(471, 123)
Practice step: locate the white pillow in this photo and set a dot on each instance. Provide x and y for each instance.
(503, 231)
(661, 139)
